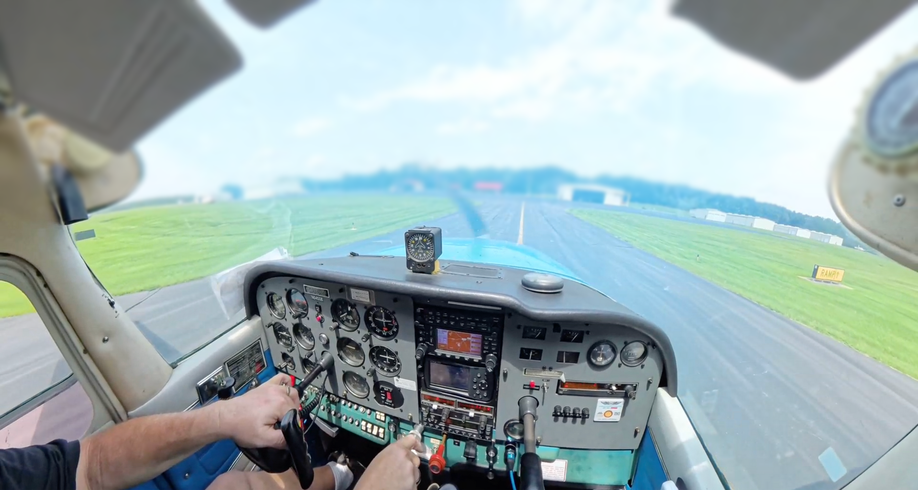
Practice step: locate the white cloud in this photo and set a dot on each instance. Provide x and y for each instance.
(309, 127)
(463, 126)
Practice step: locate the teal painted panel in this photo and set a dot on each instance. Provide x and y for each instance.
(596, 467)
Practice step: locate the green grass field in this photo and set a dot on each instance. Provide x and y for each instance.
(147, 248)
(878, 315)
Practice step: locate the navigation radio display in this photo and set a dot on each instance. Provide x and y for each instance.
(450, 376)
(459, 342)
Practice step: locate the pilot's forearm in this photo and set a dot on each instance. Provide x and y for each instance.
(137, 450)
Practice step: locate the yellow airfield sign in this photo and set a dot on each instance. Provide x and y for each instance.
(828, 274)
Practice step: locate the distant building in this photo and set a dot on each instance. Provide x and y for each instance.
(739, 219)
(803, 233)
(599, 194)
(789, 230)
(709, 215)
(495, 187)
(763, 224)
(836, 240)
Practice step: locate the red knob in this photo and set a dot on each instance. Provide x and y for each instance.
(436, 464)
(437, 461)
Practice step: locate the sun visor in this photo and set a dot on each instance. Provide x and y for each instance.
(266, 13)
(873, 184)
(111, 70)
(802, 39)
(102, 177)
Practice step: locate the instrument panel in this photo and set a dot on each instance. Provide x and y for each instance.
(457, 352)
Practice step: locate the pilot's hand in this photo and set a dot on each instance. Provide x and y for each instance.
(249, 419)
(395, 468)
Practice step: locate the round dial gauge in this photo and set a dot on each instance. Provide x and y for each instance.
(634, 353)
(297, 301)
(276, 306)
(891, 119)
(350, 352)
(282, 336)
(513, 429)
(356, 385)
(385, 360)
(382, 322)
(303, 336)
(288, 363)
(345, 313)
(602, 353)
(420, 247)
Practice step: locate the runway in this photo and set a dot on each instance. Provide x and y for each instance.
(767, 395)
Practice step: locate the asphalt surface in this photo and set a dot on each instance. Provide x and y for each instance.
(767, 395)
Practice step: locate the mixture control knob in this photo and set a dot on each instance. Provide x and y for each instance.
(576, 413)
(421, 351)
(566, 412)
(227, 389)
(556, 412)
(471, 451)
(490, 362)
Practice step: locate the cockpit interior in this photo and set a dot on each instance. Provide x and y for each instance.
(511, 373)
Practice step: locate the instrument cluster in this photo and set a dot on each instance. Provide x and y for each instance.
(304, 319)
(460, 367)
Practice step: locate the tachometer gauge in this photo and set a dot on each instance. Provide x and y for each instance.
(385, 360)
(381, 322)
(282, 336)
(298, 304)
(634, 353)
(350, 352)
(420, 247)
(276, 306)
(356, 385)
(602, 353)
(345, 313)
(303, 336)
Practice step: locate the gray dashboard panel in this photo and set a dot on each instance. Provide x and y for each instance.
(577, 303)
(568, 432)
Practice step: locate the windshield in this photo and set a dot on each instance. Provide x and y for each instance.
(605, 141)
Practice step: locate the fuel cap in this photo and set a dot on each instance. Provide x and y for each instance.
(539, 282)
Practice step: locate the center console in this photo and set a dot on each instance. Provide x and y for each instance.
(458, 352)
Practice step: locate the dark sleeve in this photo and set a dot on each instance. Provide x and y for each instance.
(52, 466)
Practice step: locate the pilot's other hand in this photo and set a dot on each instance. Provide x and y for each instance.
(249, 419)
(395, 468)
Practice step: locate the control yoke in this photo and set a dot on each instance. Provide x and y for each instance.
(530, 462)
(296, 455)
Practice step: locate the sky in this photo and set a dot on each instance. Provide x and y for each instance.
(618, 88)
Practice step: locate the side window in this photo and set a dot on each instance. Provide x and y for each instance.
(34, 369)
